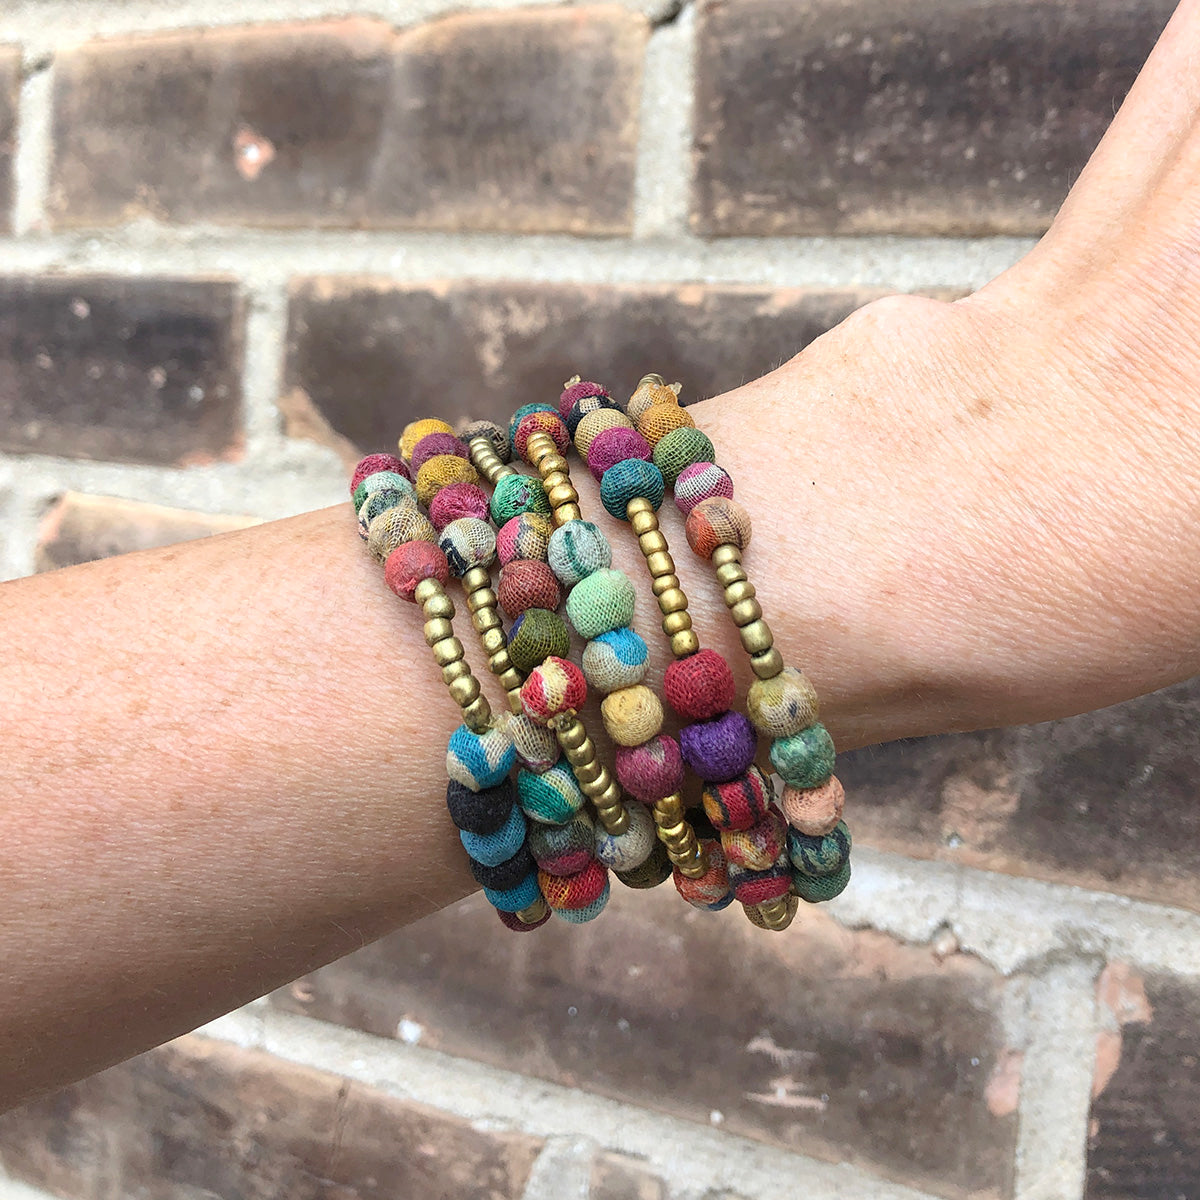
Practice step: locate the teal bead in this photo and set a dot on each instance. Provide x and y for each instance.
(631, 480)
(514, 899)
(524, 411)
(580, 916)
(806, 759)
(818, 890)
(553, 797)
(379, 481)
(682, 448)
(602, 602)
(819, 856)
(516, 494)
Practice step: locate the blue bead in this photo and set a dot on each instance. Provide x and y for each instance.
(492, 849)
(629, 480)
(479, 760)
(627, 646)
(515, 898)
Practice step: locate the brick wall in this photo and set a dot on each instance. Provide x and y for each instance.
(240, 241)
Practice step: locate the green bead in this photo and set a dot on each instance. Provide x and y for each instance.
(384, 499)
(806, 759)
(602, 602)
(818, 856)
(553, 797)
(540, 634)
(825, 888)
(379, 481)
(516, 494)
(681, 448)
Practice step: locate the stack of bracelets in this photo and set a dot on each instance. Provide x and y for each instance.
(546, 840)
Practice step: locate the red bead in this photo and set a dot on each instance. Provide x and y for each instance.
(458, 500)
(739, 804)
(526, 583)
(540, 422)
(557, 686)
(574, 891)
(412, 562)
(377, 462)
(700, 686)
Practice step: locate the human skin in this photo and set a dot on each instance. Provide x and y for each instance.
(224, 760)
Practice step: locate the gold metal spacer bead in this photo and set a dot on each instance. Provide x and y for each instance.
(534, 913)
(509, 680)
(643, 523)
(757, 637)
(564, 493)
(595, 788)
(673, 600)
(767, 664)
(685, 643)
(539, 446)
(664, 583)
(555, 479)
(660, 563)
(499, 662)
(553, 464)
(775, 915)
(639, 504)
(493, 639)
(728, 553)
(571, 734)
(475, 580)
(745, 612)
(430, 592)
(652, 542)
(677, 622)
(696, 867)
(582, 753)
(669, 809)
(652, 378)
(587, 773)
(514, 702)
(447, 650)
(609, 797)
(455, 670)
(566, 513)
(614, 820)
(477, 715)
(737, 591)
(438, 629)
(464, 691)
(732, 572)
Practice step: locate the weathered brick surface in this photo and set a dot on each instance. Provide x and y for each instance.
(132, 370)
(365, 356)
(839, 1044)
(198, 1118)
(78, 528)
(480, 121)
(615, 1177)
(1143, 1142)
(10, 84)
(1108, 800)
(864, 116)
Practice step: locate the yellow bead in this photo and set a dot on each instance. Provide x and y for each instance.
(447, 650)
(768, 664)
(745, 612)
(677, 622)
(684, 644)
(414, 431)
(632, 715)
(756, 637)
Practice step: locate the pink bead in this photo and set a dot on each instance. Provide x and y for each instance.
(701, 481)
(457, 500)
(377, 462)
(615, 445)
(578, 391)
(540, 422)
(651, 771)
(556, 687)
(411, 563)
(700, 686)
(433, 444)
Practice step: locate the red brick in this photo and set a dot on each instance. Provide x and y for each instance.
(126, 369)
(1106, 800)
(198, 1118)
(365, 356)
(10, 86)
(79, 528)
(937, 118)
(847, 1046)
(506, 121)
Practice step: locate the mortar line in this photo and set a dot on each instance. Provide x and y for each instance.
(264, 347)
(31, 163)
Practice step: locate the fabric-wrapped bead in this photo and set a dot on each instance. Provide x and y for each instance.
(380, 481)
(655, 870)
(577, 549)
(536, 746)
(514, 899)
(631, 480)
(376, 502)
(479, 760)
(613, 446)
(468, 542)
(647, 396)
(395, 526)
(823, 855)
(564, 849)
(440, 471)
(414, 431)
(524, 536)
(525, 583)
(759, 847)
(719, 749)
(806, 759)
(627, 851)
(524, 411)
(699, 686)
(483, 811)
(596, 423)
(816, 890)
(656, 422)
(615, 660)
(506, 874)
(549, 423)
(458, 500)
(574, 891)
(652, 771)
(573, 393)
(814, 811)
(536, 635)
(513, 922)
(494, 434)
(711, 891)
(580, 916)
(582, 409)
(554, 688)
(632, 715)
(410, 564)
(784, 705)
(553, 797)
(755, 887)
(602, 602)
(491, 849)
(679, 449)
(515, 494)
(717, 522)
(739, 804)
(433, 444)
(701, 481)
(374, 463)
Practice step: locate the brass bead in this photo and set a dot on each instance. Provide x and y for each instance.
(564, 493)
(658, 380)
(509, 680)
(493, 639)
(430, 592)
(639, 504)
(737, 591)
(455, 670)
(696, 865)
(553, 463)
(514, 702)
(486, 621)
(587, 773)
(447, 650)
(481, 599)
(534, 913)
(464, 691)
(644, 521)
(652, 542)
(673, 600)
(478, 714)
(614, 820)
(768, 664)
(610, 797)
(499, 662)
(757, 637)
(685, 643)
(475, 580)
(664, 583)
(775, 915)
(669, 808)
(595, 788)
(745, 612)
(553, 479)
(579, 756)
(677, 622)
(567, 512)
(727, 553)
(438, 630)
(571, 735)
(732, 572)
(660, 563)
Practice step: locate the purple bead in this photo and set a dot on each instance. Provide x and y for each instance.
(433, 444)
(721, 749)
(611, 446)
